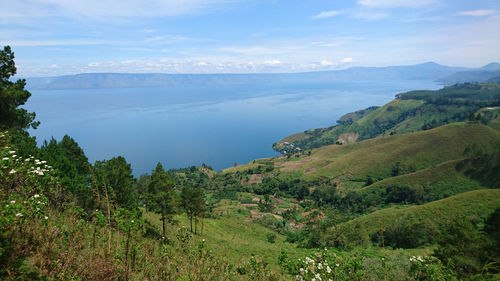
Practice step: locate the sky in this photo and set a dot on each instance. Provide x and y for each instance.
(59, 37)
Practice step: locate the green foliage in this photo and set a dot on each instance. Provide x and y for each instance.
(117, 174)
(271, 237)
(160, 193)
(71, 166)
(413, 226)
(407, 232)
(430, 268)
(13, 95)
(193, 204)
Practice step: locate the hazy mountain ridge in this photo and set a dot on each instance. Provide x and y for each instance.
(430, 70)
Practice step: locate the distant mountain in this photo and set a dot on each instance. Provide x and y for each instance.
(494, 66)
(482, 74)
(429, 71)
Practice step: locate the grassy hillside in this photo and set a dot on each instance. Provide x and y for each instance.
(377, 157)
(409, 112)
(235, 237)
(437, 182)
(433, 217)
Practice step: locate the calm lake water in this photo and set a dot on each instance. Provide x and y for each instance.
(184, 126)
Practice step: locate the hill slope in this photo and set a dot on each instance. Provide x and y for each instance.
(427, 219)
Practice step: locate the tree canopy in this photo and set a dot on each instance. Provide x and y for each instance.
(13, 95)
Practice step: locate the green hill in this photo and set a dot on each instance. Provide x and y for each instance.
(428, 219)
(377, 157)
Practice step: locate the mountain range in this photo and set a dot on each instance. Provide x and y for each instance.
(426, 71)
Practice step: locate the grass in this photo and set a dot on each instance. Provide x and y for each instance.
(438, 181)
(236, 238)
(376, 157)
(479, 204)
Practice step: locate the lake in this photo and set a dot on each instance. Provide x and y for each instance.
(215, 125)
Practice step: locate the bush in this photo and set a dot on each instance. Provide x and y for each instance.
(271, 237)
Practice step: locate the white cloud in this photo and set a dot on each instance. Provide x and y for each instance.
(326, 14)
(394, 3)
(477, 13)
(326, 63)
(272, 62)
(346, 60)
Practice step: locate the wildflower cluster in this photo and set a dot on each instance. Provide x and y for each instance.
(26, 174)
(38, 204)
(429, 268)
(325, 266)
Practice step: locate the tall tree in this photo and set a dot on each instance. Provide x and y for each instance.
(118, 176)
(193, 204)
(13, 95)
(160, 193)
(71, 166)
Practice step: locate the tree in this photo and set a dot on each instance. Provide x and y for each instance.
(193, 203)
(118, 176)
(13, 95)
(71, 166)
(160, 193)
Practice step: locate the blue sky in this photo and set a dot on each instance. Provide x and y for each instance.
(56, 37)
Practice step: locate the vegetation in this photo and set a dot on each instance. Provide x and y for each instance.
(413, 206)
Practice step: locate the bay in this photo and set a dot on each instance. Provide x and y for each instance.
(191, 125)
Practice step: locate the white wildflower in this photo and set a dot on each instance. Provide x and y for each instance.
(301, 269)
(337, 265)
(12, 171)
(46, 217)
(5, 158)
(12, 152)
(14, 156)
(27, 160)
(36, 196)
(320, 266)
(132, 221)
(43, 162)
(13, 202)
(19, 215)
(328, 269)
(318, 277)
